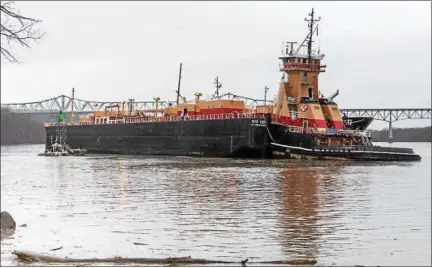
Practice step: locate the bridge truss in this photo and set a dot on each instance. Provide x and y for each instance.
(64, 103)
(389, 115)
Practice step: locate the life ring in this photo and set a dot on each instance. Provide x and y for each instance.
(303, 107)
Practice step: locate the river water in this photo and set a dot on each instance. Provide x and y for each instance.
(335, 212)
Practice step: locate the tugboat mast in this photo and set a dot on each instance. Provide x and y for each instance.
(311, 23)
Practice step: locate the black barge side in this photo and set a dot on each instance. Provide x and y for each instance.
(230, 137)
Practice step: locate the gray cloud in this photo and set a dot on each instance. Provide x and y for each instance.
(378, 54)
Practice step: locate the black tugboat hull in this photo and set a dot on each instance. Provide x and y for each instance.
(291, 144)
(358, 123)
(355, 153)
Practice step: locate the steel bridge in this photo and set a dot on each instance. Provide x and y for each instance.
(64, 103)
(390, 115)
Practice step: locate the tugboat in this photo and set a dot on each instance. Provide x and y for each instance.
(300, 122)
(315, 125)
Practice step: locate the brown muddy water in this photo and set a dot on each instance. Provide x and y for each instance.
(225, 209)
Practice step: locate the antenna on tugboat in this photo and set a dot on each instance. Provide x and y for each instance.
(311, 23)
(218, 86)
(178, 86)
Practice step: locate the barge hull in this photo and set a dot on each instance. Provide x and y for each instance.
(240, 137)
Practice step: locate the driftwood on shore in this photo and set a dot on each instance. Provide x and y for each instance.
(31, 257)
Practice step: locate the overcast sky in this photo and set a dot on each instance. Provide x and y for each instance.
(378, 54)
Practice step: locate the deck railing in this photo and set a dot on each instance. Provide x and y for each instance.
(296, 65)
(163, 119)
(330, 131)
(133, 120)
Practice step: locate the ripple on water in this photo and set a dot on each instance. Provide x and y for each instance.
(104, 206)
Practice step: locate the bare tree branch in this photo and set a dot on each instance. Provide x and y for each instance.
(16, 28)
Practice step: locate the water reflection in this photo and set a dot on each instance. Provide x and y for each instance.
(311, 211)
(122, 181)
(63, 180)
(6, 234)
(299, 215)
(227, 209)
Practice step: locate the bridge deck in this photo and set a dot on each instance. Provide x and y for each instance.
(64, 103)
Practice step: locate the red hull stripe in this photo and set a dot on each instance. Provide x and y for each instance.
(319, 123)
(212, 111)
(311, 122)
(337, 124)
(299, 122)
(219, 110)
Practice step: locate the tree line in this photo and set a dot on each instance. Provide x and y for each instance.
(19, 128)
(418, 134)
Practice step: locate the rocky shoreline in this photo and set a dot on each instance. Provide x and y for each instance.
(7, 221)
(8, 225)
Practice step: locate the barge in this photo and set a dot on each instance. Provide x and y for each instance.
(301, 121)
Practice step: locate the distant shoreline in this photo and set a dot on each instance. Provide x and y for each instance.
(418, 134)
(19, 128)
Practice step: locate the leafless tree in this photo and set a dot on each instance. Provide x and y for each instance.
(16, 28)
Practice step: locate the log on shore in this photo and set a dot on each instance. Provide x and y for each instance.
(32, 257)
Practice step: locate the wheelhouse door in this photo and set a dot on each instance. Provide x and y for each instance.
(305, 124)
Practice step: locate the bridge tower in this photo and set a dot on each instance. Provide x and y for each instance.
(390, 135)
